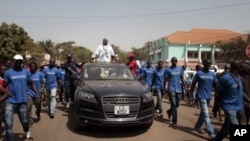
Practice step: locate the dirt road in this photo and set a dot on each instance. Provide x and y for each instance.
(58, 129)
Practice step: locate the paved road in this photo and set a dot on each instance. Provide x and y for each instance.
(58, 129)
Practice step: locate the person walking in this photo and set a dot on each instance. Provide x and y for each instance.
(244, 72)
(52, 77)
(16, 79)
(104, 52)
(61, 89)
(39, 81)
(3, 95)
(70, 69)
(207, 81)
(230, 96)
(159, 86)
(174, 78)
(147, 75)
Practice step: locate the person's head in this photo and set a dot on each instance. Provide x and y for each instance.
(149, 63)
(8, 64)
(18, 61)
(174, 61)
(2, 70)
(159, 65)
(198, 67)
(52, 62)
(226, 67)
(131, 56)
(105, 41)
(69, 57)
(184, 67)
(206, 64)
(234, 66)
(33, 66)
(244, 70)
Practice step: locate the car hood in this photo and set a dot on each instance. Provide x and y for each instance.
(102, 88)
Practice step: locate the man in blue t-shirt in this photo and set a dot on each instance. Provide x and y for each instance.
(39, 80)
(174, 78)
(206, 80)
(147, 75)
(53, 79)
(230, 95)
(17, 79)
(159, 86)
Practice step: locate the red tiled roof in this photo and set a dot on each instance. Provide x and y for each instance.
(201, 36)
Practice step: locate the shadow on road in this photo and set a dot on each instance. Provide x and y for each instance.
(17, 137)
(110, 132)
(181, 128)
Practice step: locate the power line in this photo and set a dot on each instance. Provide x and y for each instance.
(133, 15)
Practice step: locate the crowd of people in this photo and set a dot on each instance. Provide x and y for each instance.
(230, 89)
(25, 85)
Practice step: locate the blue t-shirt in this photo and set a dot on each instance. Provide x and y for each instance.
(231, 90)
(38, 79)
(174, 75)
(62, 73)
(205, 80)
(158, 76)
(51, 76)
(147, 73)
(17, 84)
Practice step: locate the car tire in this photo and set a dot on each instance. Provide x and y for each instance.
(76, 123)
(148, 124)
(72, 119)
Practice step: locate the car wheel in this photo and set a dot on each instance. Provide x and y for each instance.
(76, 123)
(148, 124)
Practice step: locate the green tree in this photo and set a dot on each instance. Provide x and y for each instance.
(80, 54)
(235, 48)
(140, 54)
(13, 40)
(48, 47)
(120, 53)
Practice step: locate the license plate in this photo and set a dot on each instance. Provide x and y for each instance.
(121, 109)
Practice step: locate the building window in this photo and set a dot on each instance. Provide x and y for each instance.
(159, 55)
(193, 54)
(205, 55)
(151, 57)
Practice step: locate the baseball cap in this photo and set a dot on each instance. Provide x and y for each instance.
(131, 55)
(18, 57)
(69, 55)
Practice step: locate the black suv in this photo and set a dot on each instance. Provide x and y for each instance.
(109, 95)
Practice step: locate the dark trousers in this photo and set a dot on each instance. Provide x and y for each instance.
(69, 90)
(175, 99)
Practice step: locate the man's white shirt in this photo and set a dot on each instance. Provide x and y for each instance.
(104, 53)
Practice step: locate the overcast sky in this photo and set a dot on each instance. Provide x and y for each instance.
(126, 23)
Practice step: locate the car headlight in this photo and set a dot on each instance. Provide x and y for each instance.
(86, 96)
(147, 97)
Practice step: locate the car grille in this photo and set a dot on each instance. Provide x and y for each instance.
(108, 104)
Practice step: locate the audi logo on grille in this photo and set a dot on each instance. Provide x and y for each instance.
(121, 100)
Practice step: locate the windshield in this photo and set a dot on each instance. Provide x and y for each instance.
(110, 72)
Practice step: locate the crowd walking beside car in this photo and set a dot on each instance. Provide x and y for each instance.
(22, 95)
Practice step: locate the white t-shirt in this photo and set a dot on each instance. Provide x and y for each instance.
(104, 53)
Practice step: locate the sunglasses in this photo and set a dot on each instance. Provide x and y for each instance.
(19, 61)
